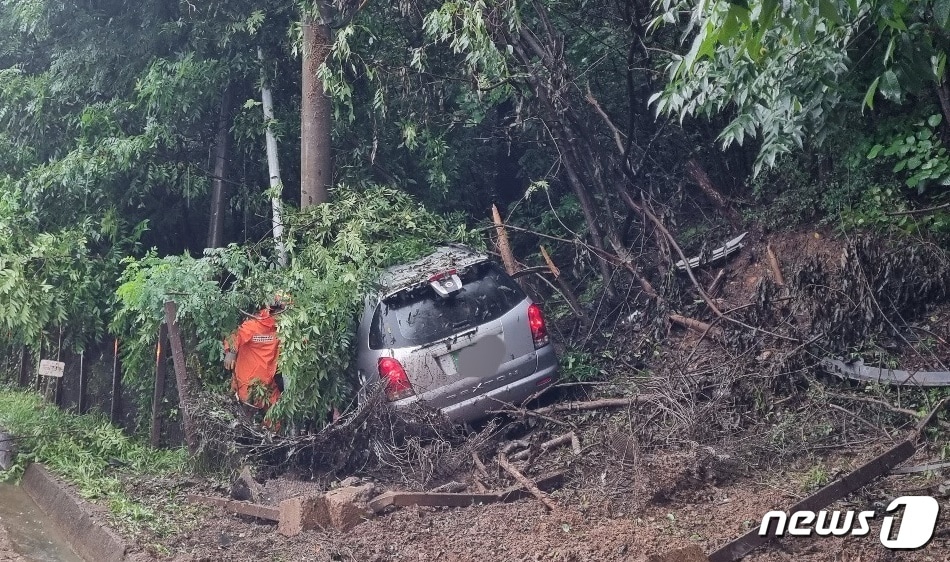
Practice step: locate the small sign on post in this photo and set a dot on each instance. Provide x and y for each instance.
(52, 368)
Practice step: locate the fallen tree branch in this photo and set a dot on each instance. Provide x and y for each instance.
(507, 257)
(774, 266)
(595, 404)
(479, 465)
(883, 404)
(569, 437)
(918, 211)
(526, 482)
(696, 325)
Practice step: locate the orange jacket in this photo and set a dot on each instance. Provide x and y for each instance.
(257, 347)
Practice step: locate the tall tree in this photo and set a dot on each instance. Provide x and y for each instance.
(317, 24)
(316, 172)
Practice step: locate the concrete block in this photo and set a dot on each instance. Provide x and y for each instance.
(342, 509)
(347, 506)
(302, 514)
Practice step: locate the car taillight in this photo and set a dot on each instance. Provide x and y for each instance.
(539, 332)
(397, 383)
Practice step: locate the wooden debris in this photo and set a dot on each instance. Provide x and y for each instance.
(433, 499)
(515, 444)
(526, 482)
(717, 283)
(241, 507)
(569, 437)
(775, 266)
(545, 483)
(479, 465)
(478, 484)
(595, 404)
(696, 325)
(450, 487)
(504, 248)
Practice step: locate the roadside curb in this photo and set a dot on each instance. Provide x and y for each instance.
(90, 539)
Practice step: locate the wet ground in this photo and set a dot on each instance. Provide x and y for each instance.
(26, 533)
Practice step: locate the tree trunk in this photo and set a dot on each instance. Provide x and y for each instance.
(315, 166)
(273, 166)
(181, 377)
(701, 178)
(219, 199)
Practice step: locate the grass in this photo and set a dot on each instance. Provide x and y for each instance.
(106, 466)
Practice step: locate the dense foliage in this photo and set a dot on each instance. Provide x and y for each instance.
(119, 122)
(335, 251)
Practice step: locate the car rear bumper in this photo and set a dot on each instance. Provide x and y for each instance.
(501, 397)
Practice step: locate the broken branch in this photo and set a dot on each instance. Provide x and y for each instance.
(774, 266)
(569, 437)
(526, 482)
(595, 404)
(696, 325)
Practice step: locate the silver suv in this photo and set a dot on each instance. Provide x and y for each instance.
(454, 331)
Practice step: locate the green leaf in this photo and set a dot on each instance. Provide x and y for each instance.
(934, 119)
(829, 11)
(890, 87)
(869, 95)
(875, 150)
(942, 13)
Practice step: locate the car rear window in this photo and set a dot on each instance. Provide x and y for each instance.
(420, 316)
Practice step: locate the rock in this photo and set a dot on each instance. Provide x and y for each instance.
(347, 506)
(245, 488)
(349, 481)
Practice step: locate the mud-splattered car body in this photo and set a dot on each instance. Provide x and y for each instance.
(454, 331)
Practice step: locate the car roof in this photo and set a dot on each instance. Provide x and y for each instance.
(444, 258)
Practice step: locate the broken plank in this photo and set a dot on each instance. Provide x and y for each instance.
(242, 507)
(874, 468)
(431, 499)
